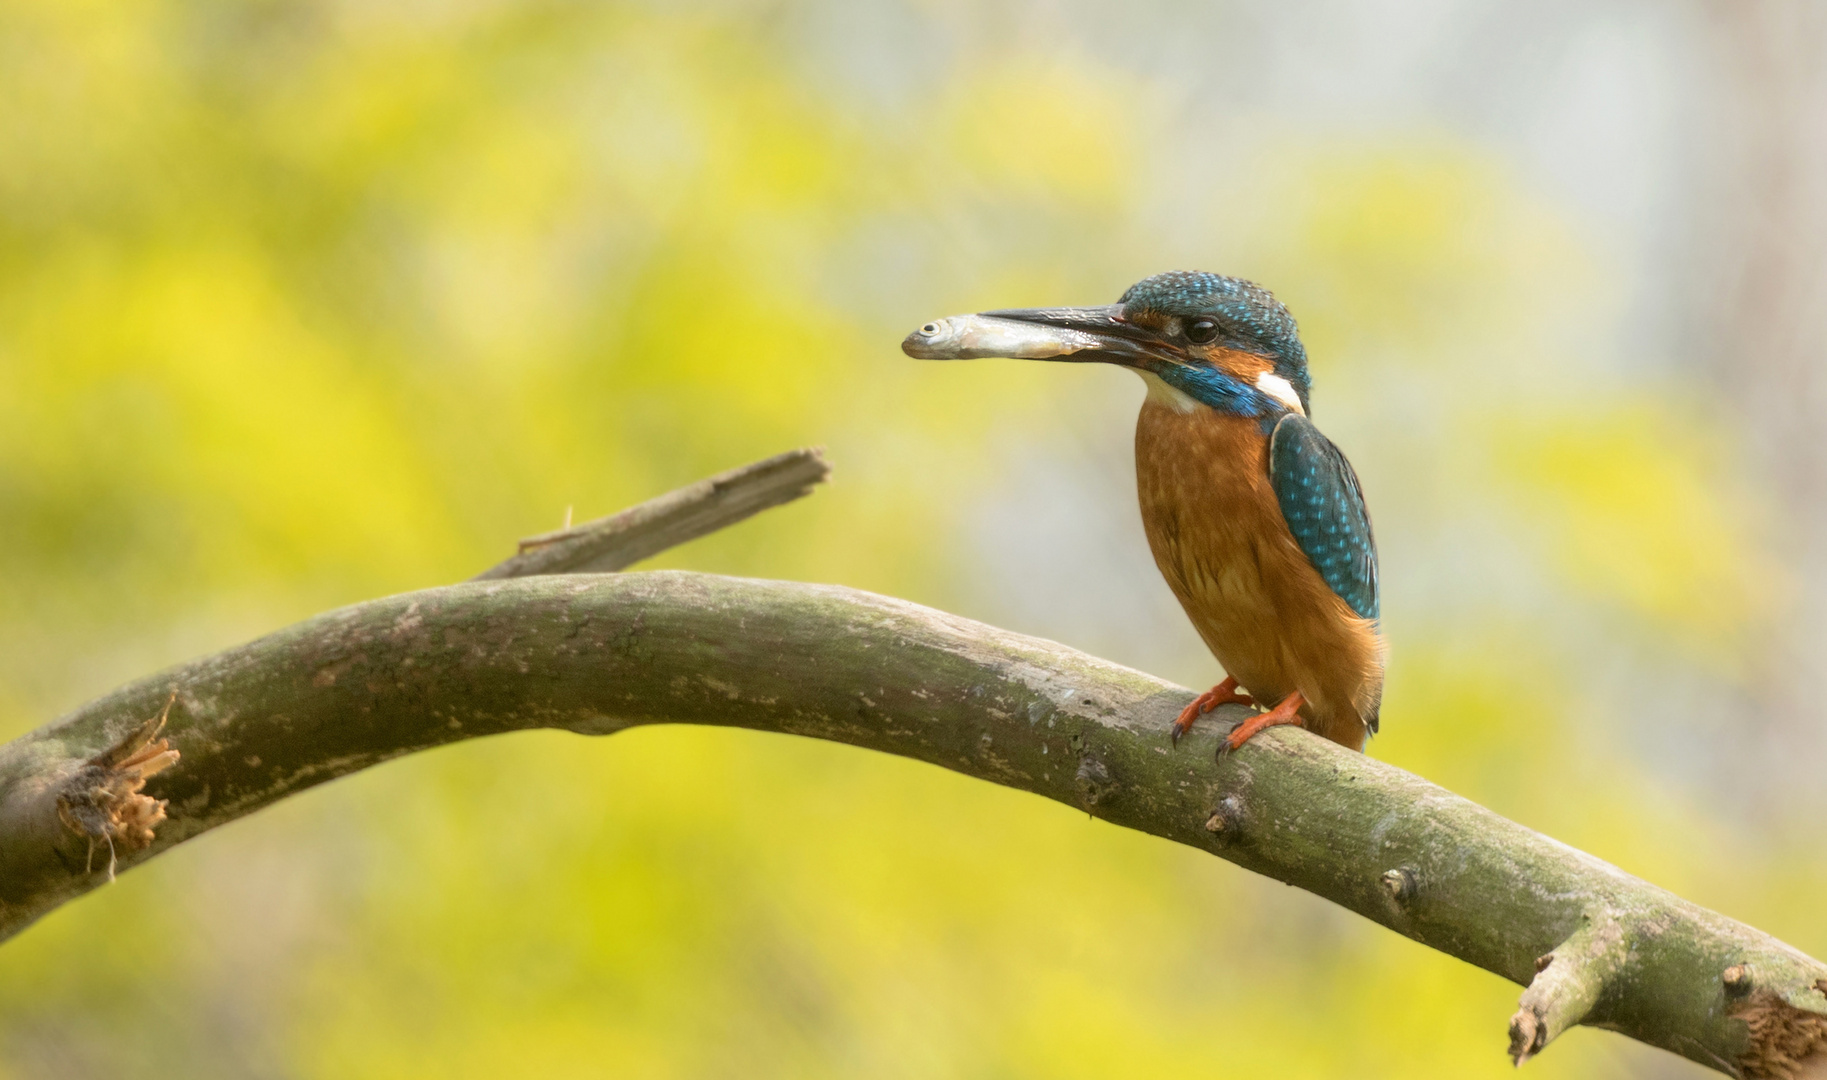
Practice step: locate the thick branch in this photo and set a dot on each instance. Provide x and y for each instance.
(599, 654)
(623, 539)
(371, 682)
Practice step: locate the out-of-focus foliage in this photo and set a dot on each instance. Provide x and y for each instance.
(302, 302)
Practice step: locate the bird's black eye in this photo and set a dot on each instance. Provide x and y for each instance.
(1201, 331)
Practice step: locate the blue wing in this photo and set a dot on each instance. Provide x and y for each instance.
(1325, 511)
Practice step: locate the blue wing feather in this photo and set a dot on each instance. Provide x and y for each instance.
(1325, 511)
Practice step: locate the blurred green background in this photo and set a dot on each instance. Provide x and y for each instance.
(308, 301)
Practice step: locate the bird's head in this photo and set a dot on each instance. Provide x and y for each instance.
(1220, 341)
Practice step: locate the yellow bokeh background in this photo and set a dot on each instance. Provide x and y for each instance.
(307, 302)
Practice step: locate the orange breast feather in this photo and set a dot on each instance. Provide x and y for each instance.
(1218, 537)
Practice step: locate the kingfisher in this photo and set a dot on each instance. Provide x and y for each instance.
(1255, 519)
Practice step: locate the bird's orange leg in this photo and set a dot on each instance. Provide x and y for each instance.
(1225, 693)
(1288, 712)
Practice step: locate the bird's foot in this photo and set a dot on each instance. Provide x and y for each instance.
(1225, 693)
(1288, 712)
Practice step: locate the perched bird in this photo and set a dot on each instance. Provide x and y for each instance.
(1255, 518)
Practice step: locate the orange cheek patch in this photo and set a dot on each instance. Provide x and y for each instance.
(1242, 366)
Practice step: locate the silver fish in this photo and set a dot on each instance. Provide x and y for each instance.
(969, 337)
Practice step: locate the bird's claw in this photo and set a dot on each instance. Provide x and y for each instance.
(1188, 716)
(1288, 712)
(1225, 749)
(1225, 693)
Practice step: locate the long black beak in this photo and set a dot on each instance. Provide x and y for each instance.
(1098, 334)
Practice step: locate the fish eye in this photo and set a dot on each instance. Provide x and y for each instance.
(1201, 331)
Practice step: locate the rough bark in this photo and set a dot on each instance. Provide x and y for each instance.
(599, 654)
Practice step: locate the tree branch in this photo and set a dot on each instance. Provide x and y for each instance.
(639, 532)
(600, 654)
(1567, 984)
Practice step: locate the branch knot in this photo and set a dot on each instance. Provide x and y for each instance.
(103, 801)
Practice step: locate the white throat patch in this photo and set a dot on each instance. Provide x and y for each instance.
(1280, 389)
(1162, 394)
(1268, 382)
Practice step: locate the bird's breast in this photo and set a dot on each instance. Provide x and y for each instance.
(1211, 516)
(1219, 539)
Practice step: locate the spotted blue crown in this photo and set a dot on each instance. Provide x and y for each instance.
(1248, 315)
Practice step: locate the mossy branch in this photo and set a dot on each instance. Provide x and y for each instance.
(602, 653)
